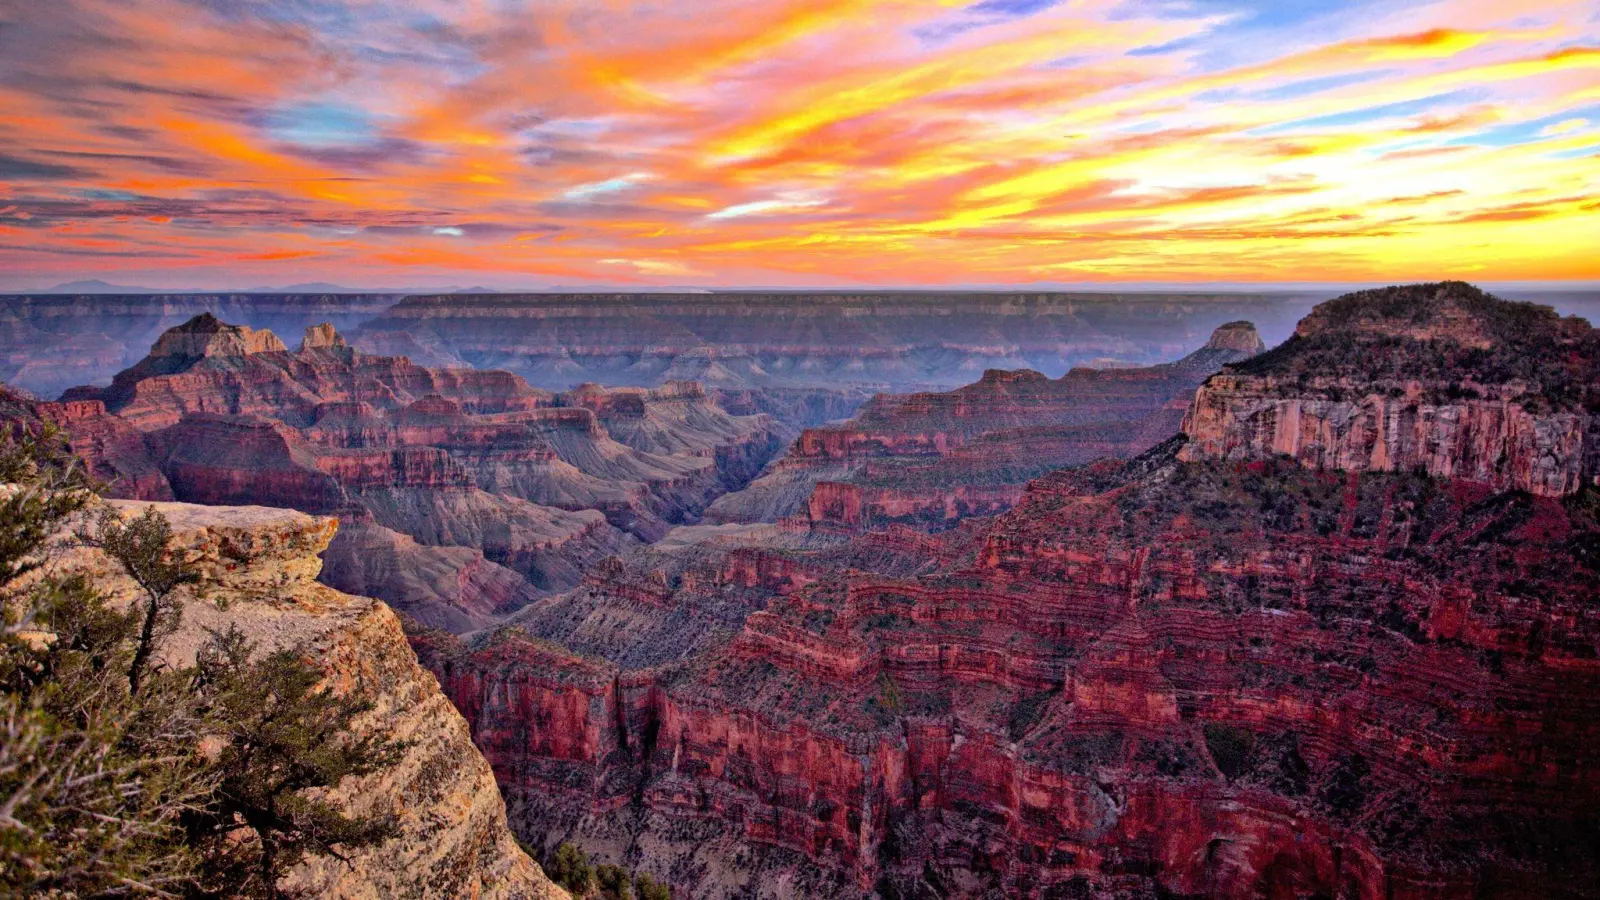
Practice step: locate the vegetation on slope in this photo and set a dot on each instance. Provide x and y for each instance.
(123, 777)
(1442, 334)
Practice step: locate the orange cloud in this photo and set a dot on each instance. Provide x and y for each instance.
(803, 141)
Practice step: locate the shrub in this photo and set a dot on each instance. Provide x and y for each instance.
(570, 868)
(650, 889)
(614, 882)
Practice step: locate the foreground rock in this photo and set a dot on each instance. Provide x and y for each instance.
(259, 568)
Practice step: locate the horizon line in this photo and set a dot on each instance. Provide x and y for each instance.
(102, 288)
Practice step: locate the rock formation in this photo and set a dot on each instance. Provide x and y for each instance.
(455, 478)
(1440, 378)
(49, 343)
(1184, 674)
(258, 570)
(935, 458)
(733, 341)
(1338, 640)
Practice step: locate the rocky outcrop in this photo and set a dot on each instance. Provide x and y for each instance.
(1438, 378)
(322, 336)
(116, 452)
(450, 587)
(1236, 337)
(1183, 674)
(208, 366)
(206, 335)
(680, 418)
(258, 568)
(1151, 678)
(1495, 441)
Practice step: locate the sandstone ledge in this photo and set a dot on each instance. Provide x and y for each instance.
(258, 567)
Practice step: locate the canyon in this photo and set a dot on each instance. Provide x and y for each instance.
(934, 458)
(1311, 621)
(806, 357)
(464, 494)
(51, 342)
(1215, 668)
(795, 341)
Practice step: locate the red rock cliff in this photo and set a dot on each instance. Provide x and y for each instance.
(1437, 378)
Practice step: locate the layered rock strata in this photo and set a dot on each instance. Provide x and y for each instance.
(898, 341)
(1438, 378)
(1186, 675)
(424, 462)
(931, 459)
(51, 342)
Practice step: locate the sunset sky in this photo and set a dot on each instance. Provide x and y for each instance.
(529, 143)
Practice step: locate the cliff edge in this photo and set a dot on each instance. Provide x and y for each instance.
(1439, 378)
(258, 568)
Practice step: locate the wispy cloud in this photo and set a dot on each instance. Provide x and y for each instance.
(798, 140)
(764, 207)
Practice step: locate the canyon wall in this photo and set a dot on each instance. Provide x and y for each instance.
(741, 340)
(1265, 700)
(1189, 673)
(477, 492)
(1441, 379)
(931, 459)
(51, 342)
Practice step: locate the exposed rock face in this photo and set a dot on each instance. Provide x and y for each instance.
(115, 451)
(455, 588)
(259, 567)
(206, 335)
(1440, 378)
(679, 418)
(1208, 670)
(208, 366)
(935, 458)
(1238, 337)
(450, 459)
(458, 478)
(794, 407)
(1179, 675)
(1121, 695)
(322, 337)
(1497, 442)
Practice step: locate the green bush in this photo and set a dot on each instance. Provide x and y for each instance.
(570, 868)
(614, 882)
(106, 785)
(650, 889)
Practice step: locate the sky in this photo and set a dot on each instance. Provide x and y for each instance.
(221, 144)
